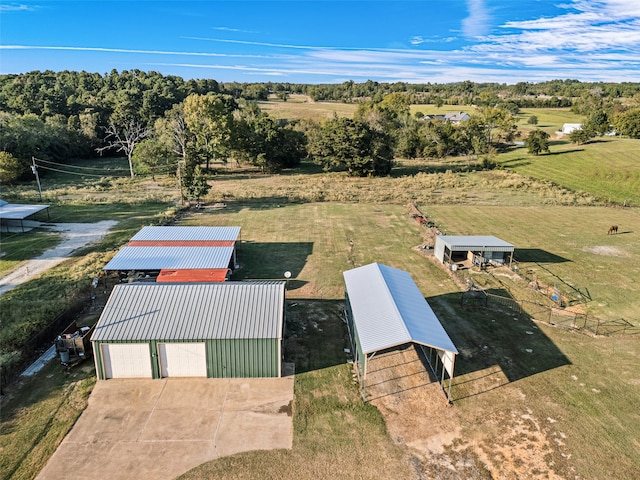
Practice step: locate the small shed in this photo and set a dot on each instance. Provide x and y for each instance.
(480, 249)
(385, 309)
(568, 128)
(213, 330)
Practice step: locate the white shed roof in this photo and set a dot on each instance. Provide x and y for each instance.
(179, 258)
(476, 242)
(16, 211)
(389, 310)
(192, 311)
(175, 233)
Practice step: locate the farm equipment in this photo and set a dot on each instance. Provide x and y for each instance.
(74, 345)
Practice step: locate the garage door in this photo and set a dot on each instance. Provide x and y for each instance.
(182, 359)
(126, 360)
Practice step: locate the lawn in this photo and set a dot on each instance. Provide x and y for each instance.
(606, 168)
(301, 107)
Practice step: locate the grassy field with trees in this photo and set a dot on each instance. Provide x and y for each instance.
(313, 218)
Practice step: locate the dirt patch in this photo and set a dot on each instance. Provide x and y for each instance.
(504, 443)
(606, 250)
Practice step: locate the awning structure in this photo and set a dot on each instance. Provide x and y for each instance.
(19, 212)
(385, 309)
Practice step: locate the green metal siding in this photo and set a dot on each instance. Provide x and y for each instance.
(243, 358)
(236, 358)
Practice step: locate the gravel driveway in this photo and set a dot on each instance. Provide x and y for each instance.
(75, 236)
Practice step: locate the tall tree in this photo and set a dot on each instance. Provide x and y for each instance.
(125, 139)
(151, 156)
(209, 119)
(537, 142)
(628, 123)
(352, 145)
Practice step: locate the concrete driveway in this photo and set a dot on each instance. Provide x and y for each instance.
(158, 429)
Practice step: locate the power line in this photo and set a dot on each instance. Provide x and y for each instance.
(78, 166)
(79, 173)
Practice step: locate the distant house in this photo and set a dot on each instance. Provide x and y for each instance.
(568, 128)
(451, 117)
(434, 117)
(456, 117)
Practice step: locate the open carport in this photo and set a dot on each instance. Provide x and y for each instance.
(386, 311)
(143, 429)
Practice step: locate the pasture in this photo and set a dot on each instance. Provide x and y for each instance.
(607, 167)
(505, 396)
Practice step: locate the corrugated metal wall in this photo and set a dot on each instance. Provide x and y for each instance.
(439, 249)
(243, 358)
(235, 358)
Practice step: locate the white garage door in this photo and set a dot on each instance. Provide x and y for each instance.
(126, 360)
(183, 359)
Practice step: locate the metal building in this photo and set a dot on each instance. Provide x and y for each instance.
(179, 254)
(385, 309)
(214, 330)
(480, 250)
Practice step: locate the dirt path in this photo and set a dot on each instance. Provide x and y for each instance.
(75, 236)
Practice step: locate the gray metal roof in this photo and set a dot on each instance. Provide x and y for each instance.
(173, 233)
(15, 211)
(192, 311)
(485, 243)
(182, 258)
(389, 310)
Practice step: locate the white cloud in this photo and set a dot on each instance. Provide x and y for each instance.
(16, 8)
(477, 23)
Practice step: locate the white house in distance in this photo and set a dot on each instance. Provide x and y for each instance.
(456, 117)
(568, 128)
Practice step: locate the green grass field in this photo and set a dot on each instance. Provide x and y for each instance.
(607, 168)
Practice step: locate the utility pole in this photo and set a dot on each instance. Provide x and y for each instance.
(34, 169)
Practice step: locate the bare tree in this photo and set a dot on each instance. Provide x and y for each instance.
(125, 139)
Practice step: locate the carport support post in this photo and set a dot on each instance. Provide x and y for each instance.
(453, 364)
(364, 379)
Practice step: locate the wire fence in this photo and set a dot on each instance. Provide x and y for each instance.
(559, 317)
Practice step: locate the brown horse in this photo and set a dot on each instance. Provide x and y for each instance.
(613, 229)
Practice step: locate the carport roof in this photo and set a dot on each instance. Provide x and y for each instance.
(485, 243)
(192, 311)
(170, 258)
(389, 310)
(15, 211)
(186, 233)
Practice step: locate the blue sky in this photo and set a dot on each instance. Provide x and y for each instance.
(437, 41)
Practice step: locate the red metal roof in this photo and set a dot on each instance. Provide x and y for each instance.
(193, 275)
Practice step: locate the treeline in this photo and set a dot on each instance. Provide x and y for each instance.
(164, 122)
